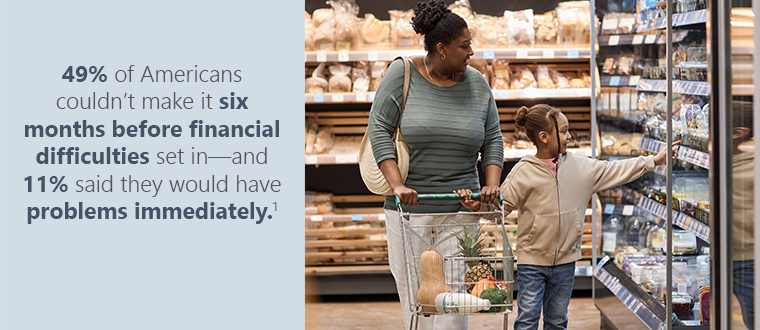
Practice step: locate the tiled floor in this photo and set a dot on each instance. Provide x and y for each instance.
(582, 315)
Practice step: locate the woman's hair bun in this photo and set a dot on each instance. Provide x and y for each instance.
(427, 14)
(521, 116)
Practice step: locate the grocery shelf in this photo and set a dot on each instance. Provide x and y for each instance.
(620, 81)
(353, 157)
(638, 301)
(579, 52)
(499, 95)
(696, 157)
(696, 227)
(639, 39)
(694, 17)
(679, 86)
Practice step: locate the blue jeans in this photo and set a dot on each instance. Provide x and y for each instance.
(549, 287)
(744, 289)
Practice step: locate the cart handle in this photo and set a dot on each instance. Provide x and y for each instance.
(445, 197)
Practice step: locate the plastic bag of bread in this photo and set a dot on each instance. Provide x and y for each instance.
(501, 73)
(462, 8)
(520, 28)
(324, 139)
(374, 31)
(309, 36)
(346, 33)
(491, 32)
(547, 27)
(376, 73)
(317, 82)
(340, 81)
(560, 80)
(574, 22)
(577, 83)
(482, 67)
(544, 79)
(523, 78)
(312, 127)
(402, 32)
(586, 79)
(360, 73)
(324, 29)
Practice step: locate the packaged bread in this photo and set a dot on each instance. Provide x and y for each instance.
(574, 23)
(560, 80)
(586, 76)
(544, 79)
(402, 32)
(312, 127)
(577, 83)
(360, 74)
(324, 139)
(523, 78)
(317, 82)
(376, 74)
(501, 73)
(324, 29)
(340, 81)
(547, 27)
(309, 36)
(462, 8)
(491, 32)
(346, 33)
(520, 28)
(373, 30)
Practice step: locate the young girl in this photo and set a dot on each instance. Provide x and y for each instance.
(552, 190)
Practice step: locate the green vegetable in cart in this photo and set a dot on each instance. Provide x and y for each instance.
(497, 297)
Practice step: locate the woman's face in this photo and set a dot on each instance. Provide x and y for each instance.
(458, 52)
(564, 134)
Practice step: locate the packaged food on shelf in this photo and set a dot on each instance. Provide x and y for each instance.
(346, 33)
(312, 127)
(559, 79)
(704, 305)
(610, 65)
(682, 303)
(340, 82)
(523, 78)
(574, 23)
(361, 76)
(317, 82)
(324, 140)
(309, 35)
(491, 32)
(502, 73)
(544, 79)
(374, 31)
(402, 32)
(618, 23)
(376, 73)
(462, 8)
(324, 33)
(625, 66)
(546, 28)
(520, 28)
(684, 242)
(577, 83)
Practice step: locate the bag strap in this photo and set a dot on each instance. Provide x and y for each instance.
(404, 93)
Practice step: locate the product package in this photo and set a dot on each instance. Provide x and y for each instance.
(559, 79)
(340, 81)
(544, 79)
(309, 36)
(324, 33)
(520, 28)
(374, 31)
(361, 77)
(317, 82)
(346, 33)
(523, 78)
(546, 28)
(491, 32)
(376, 73)
(574, 23)
(402, 32)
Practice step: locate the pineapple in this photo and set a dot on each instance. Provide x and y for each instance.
(470, 245)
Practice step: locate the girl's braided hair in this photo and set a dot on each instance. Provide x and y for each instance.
(536, 119)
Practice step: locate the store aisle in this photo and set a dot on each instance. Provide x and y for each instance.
(582, 313)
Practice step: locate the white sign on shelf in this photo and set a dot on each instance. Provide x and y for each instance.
(321, 56)
(548, 53)
(634, 80)
(650, 39)
(337, 97)
(489, 54)
(609, 208)
(372, 55)
(319, 97)
(522, 53)
(628, 210)
(638, 39)
(343, 55)
(316, 218)
(346, 158)
(572, 53)
(503, 94)
(615, 81)
(614, 40)
(311, 159)
(361, 96)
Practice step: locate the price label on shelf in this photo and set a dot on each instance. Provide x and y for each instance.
(550, 94)
(609, 208)
(337, 97)
(614, 40)
(311, 159)
(346, 158)
(703, 15)
(661, 23)
(628, 210)
(532, 93)
(572, 53)
(650, 39)
(381, 216)
(634, 80)
(692, 17)
(356, 217)
(361, 96)
(319, 97)
(638, 39)
(502, 94)
(321, 56)
(489, 54)
(548, 53)
(316, 218)
(372, 55)
(615, 81)
(343, 55)
(522, 53)
(371, 96)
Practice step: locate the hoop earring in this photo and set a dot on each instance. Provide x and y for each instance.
(443, 57)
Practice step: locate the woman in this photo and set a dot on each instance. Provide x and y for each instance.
(449, 119)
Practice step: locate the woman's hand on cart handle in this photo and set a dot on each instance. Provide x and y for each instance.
(469, 203)
(489, 194)
(406, 195)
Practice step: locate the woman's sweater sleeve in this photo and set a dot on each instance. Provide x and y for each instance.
(492, 151)
(607, 175)
(385, 112)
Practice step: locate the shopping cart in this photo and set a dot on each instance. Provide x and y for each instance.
(438, 282)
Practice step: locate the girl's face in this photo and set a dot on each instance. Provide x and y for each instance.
(564, 134)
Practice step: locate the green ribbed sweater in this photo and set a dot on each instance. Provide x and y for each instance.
(445, 128)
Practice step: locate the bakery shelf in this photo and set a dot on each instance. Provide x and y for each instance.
(638, 301)
(579, 52)
(694, 17)
(696, 157)
(696, 227)
(679, 86)
(639, 39)
(619, 81)
(499, 95)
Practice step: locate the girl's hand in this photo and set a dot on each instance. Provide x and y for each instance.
(660, 157)
(407, 196)
(489, 194)
(469, 203)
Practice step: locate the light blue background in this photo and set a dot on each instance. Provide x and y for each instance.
(151, 274)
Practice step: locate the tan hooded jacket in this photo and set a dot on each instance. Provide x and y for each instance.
(551, 210)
